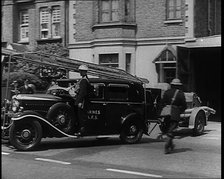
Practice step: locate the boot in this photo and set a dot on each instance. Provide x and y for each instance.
(172, 146)
(167, 149)
(169, 145)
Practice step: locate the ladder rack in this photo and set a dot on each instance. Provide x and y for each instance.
(72, 65)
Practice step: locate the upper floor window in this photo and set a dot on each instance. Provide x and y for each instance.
(24, 26)
(173, 9)
(50, 22)
(109, 10)
(127, 9)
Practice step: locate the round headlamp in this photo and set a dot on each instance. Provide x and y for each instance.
(15, 105)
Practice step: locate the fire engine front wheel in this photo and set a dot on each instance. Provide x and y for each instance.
(25, 135)
(131, 132)
(61, 116)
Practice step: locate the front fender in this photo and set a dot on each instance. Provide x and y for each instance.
(42, 121)
(128, 117)
(193, 116)
(133, 116)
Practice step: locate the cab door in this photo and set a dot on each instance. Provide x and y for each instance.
(116, 106)
(96, 112)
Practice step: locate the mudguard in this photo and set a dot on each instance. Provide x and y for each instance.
(134, 115)
(34, 115)
(193, 116)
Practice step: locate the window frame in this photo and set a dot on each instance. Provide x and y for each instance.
(128, 62)
(109, 64)
(57, 22)
(24, 26)
(166, 62)
(176, 8)
(53, 14)
(110, 11)
(125, 96)
(99, 85)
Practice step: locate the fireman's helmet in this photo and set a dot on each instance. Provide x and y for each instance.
(83, 68)
(176, 81)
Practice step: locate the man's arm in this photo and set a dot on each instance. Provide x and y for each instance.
(183, 103)
(82, 91)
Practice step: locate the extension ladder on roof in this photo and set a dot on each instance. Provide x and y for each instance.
(72, 65)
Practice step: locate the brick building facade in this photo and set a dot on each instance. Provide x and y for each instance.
(147, 38)
(32, 22)
(131, 34)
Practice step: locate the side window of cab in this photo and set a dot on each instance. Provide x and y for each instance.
(97, 91)
(117, 92)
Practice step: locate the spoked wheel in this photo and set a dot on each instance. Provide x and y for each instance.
(61, 116)
(5, 136)
(25, 135)
(199, 123)
(131, 132)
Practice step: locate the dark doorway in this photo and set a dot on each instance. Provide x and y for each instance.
(200, 71)
(205, 66)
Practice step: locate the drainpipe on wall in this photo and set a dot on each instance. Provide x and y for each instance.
(209, 17)
(215, 17)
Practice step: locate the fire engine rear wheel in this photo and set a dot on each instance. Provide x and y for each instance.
(131, 132)
(25, 135)
(61, 116)
(199, 123)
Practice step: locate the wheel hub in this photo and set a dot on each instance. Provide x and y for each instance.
(26, 134)
(133, 129)
(61, 119)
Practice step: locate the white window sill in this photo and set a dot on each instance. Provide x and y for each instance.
(23, 41)
(175, 21)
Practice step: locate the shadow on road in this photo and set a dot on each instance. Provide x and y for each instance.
(112, 143)
(179, 150)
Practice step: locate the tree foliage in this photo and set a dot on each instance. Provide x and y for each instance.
(21, 70)
(53, 48)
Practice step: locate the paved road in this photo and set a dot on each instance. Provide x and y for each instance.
(194, 157)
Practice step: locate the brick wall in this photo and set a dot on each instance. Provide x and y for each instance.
(150, 18)
(84, 20)
(11, 26)
(7, 23)
(201, 18)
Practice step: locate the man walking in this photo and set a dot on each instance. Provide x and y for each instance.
(176, 98)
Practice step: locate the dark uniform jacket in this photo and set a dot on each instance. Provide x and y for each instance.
(83, 90)
(179, 101)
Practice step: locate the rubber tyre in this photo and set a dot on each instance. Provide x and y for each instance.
(131, 132)
(199, 125)
(61, 109)
(21, 127)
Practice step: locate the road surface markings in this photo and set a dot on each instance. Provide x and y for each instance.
(54, 161)
(134, 173)
(5, 153)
